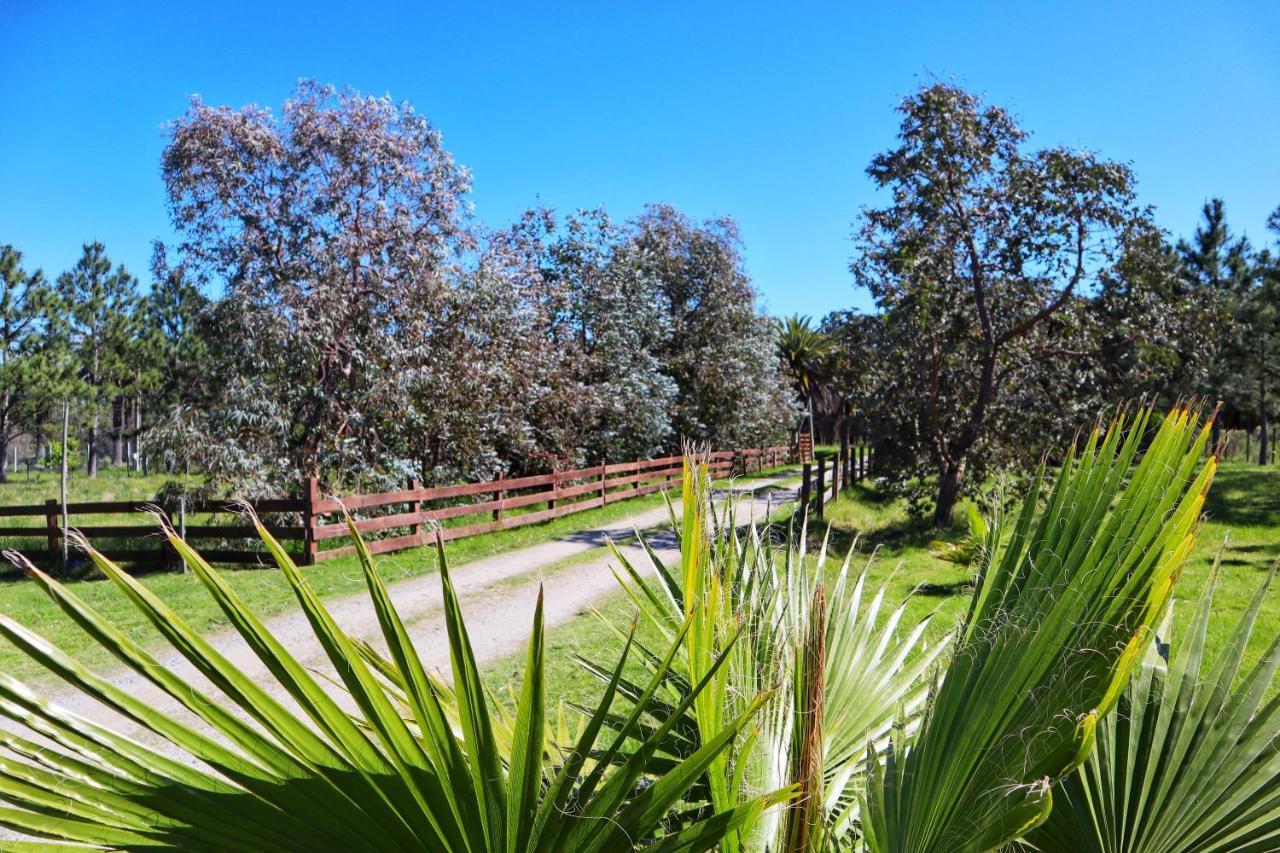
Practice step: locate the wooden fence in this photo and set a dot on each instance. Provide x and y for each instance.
(829, 473)
(391, 521)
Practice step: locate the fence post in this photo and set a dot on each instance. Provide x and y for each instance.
(604, 498)
(806, 490)
(837, 462)
(310, 497)
(820, 493)
(415, 507)
(555, 487)
(52, 514)
(499, 495)
(182, 529)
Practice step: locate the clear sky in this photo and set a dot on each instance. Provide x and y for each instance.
(767, 113)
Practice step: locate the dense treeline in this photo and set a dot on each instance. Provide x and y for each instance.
(367, 328)
(1019, 292)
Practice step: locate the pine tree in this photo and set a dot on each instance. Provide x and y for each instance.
(1216, 264)
(97, 307)
(23, 305)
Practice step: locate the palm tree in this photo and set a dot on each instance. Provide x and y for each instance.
(804, 350)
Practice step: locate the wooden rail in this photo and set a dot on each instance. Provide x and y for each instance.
(391, 521)
(830, 473)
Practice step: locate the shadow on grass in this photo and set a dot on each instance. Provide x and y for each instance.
(1245, 497)
(943, 590)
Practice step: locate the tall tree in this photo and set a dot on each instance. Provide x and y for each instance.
(171, 367)
(720, 351)
(804, 350)
(24, 301)
(978, 260)
(96, 307)
(606, 312)
(1217, 265)
(332, 226)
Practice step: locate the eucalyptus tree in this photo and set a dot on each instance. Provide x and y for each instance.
(1152, 323)
(24, 298)
(333, 226)
(603, 312)
(97, 319)
(720, 350)
(984, 251)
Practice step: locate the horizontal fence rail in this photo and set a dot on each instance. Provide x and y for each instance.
(390, 521)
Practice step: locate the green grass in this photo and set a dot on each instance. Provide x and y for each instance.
(1243, 508)
(263, 589)
(111, 484)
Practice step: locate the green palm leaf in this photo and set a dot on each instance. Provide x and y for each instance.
(417, 766)
(838, 670)
(1061, 612)
(1188, 762)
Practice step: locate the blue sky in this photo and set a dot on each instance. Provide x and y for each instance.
(767, 113)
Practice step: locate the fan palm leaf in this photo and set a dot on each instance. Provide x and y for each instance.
(838, 671)
(1188, 762)
(1060, 614)
(254, 774)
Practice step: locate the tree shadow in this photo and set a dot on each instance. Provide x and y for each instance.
(1245, 497)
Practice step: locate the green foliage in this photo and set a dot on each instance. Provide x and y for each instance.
(967, 551)
(25, 302)
(1061, 613)
(413, 767)
(72, 453)
(838, 674)
(1187, 762)
(979, 267)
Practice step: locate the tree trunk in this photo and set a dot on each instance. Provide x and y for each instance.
(4, 441)
(91, 453)
(949, 485)
(117, 428)
(1264, 446)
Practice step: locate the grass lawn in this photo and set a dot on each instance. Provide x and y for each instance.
(263, 588)
(1243, 508)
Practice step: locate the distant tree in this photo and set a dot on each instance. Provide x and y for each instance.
(333, 227)
(1155, 328)
(978, 263)
(854, 367)
(1217, 265)
(172, 357)
(96, 317)
(608, 316)
(24, 298)
(805, 351)
(1259, 316)
(720, 351)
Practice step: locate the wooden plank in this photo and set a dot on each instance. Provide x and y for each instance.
(41, 531)
(24, 509)
(218, 531)
(261, 507)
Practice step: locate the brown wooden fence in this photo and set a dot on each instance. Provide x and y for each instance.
(829, 473)
(391, 521)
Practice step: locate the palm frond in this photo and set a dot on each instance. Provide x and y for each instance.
(1060, 614)
(417, 765)
(1188, 762)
